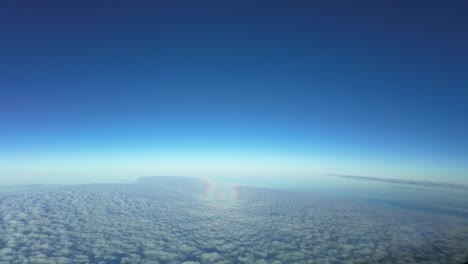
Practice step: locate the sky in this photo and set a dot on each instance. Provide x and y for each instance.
(95, 91)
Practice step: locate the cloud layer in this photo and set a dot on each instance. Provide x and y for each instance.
(171, 221)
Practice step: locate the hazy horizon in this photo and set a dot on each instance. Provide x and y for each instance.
(234, 88)
(233, 131)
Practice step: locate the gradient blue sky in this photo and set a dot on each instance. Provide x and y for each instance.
(113, 90)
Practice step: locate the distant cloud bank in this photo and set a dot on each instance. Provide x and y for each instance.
(408, 182)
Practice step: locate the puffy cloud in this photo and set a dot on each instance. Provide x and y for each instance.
(148, 223)
(210, 257)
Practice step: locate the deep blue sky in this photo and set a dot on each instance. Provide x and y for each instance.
(376, 88)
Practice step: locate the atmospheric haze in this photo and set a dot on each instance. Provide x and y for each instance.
(233, 131)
